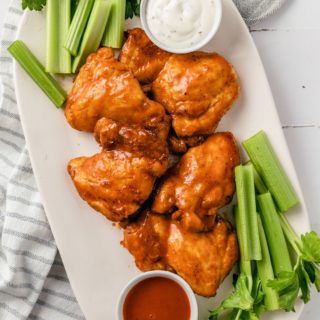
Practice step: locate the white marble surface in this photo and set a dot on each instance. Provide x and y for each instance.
(289, 46)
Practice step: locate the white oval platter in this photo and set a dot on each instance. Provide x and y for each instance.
(97, 265)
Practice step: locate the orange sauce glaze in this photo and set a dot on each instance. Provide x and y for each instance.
(156, 298)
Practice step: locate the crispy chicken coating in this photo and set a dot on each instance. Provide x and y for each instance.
(201, 183)
(197, 89)
(142, 56)
(202, 259)
(105, 87)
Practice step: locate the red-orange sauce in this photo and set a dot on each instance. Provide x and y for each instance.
(156, 298)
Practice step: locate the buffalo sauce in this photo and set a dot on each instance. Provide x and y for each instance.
(156, 298)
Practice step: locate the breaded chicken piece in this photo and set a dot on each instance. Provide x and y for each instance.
(105, 87)
(197, 89)
(142, 56)
(201, 183)
(202, 259)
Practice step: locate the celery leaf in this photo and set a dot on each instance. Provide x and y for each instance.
(287, 286)
(317, 279)
(258, 296)
(304, 282)
(240, 299)
(311, 247)
(132, 8)
(34, 4)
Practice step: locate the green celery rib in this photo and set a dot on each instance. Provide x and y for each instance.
(258, 183)
(276, 241)
(245, 266)
(58, 23)
(270, 170)
(290, 235)
(93, 33)
(37, 72)
(115, 28)
(247, 212)
(78, 24)
(265, 271)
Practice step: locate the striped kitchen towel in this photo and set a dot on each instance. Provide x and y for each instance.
(254, 11)
(33, 282)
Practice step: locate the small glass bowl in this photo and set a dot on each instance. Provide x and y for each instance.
(164, 274)
(215, 26)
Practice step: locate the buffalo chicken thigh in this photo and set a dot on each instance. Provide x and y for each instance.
(142, 56)
(202, 259)
(120, 178)
(197, 89)
(114, 183)
(106, 88)
(201, 183)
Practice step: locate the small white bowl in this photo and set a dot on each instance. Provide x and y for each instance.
(164, 274)
(215, 26)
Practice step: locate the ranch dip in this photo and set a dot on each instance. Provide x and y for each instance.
(180, 23)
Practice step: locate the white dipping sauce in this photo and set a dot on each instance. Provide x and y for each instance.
(180, 23)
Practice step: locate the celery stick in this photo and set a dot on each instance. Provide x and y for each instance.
(247, 212)
(36, 71)
(241, 300)
(258, 183)
(243, 230)
(270, 170)
(74, 6)
(115, 28)
(93, 33)
(265, 272)
(58, 23)
(290, 235)
(245, 266)
(78, 24)
(277, 243)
